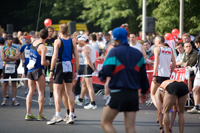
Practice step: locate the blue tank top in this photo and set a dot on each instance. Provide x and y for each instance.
(35, 57)
(67, 50)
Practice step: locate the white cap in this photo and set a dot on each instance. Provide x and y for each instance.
(84, 38)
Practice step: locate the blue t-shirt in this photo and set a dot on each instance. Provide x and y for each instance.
(26, 49)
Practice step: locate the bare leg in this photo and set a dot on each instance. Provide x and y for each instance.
(90, 88)
(83, 88)
(32, 86)
(40, 82)
(64, 97)
(196, 95)
(14, 89)
(70, 96)
(74, 84)
(181, 106)
(4, 89)
(168, 102)
(154, 88)
(107, 118)
(57, 96)
(51, 86)
(129, 120)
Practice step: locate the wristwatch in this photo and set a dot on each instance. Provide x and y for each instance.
(51, 71)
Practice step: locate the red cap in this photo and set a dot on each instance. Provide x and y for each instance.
(180, 40)
(138, 38)
(27, 36)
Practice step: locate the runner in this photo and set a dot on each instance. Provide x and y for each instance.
(49, 44)
(125, 67)
(89, 55)
(25, 53)
(9, 54)
(169, 92)
(163, 57)
(36, 75)
(2, 43)
(63, 49)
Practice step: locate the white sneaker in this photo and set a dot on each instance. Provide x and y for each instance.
(90, 106)
(51, 101)
(79, 103)
(193, 111)
(55, 120)
(70, 120)
(67, 117)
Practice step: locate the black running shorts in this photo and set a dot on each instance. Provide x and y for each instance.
(25, 70)
(60, 76)
(34, 75)
(125, 100)
(6, 75)
(177, 88)
(88, 71)
(161, 79)
(47, 67)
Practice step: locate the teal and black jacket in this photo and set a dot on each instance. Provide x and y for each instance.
(126, 67)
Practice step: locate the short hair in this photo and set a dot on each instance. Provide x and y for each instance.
(197, 39)
(43, 33)
(180, 43)
(147, 41)
(50, 27)
(5, 32)
(187, 43)
(25, 33)
(133, 33)
(63, 28)
(106, 34)
(15, 33)
(186, 34)
(16, 40)
(161, 39)
(94, 37)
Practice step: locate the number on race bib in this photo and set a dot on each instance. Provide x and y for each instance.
(10, 68)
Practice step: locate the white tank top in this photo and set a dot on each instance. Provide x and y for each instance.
(81, 59)
(164, 62)
(92, 54)
(137, 46)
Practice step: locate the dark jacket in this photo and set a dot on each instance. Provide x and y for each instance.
(190, 58)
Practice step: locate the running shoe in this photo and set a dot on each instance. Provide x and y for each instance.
(193, 111)
(7, 95)
(51, 101)
(30, 117)
(79, 103)
(55, 120)
(41, 118)
(70, 120)
(18, 85)
(90, 106)
(4, 103)
(87, 101)
(67, 117)
(15, 103)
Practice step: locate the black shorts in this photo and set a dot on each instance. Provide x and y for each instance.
(37, 73)
(25, 70)
(125, 100)
(161, 79)
(81, 69)
(47, 67)
(87, 71)
(18, 62)
(59, 75)
(1, 70)
(6, 75)
(177, 88)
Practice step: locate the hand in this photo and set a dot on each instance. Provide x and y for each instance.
(51, 76)
(23, 61)
(185, 64)
(143, 98)
(48, 63)
(154, 80)
(17, 54)
(75, 75)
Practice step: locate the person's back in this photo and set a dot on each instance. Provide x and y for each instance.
(67, 49)
(92, 54)
(96, 46)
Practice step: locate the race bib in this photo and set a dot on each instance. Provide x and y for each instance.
(81, 59)
(27, 53)
(49, 51)
(10, 68)
(67, 66)
(31, 64)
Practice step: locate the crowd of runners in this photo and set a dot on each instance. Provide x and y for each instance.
(65, 58)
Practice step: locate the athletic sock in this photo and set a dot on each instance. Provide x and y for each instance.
(70, 114)
(93, 103)
(51, 94)
(57, 114)
(29, 114)
(7, 92)
(67, 111)
(14, 99)
(4, 99)
(86, 98)
(80, 99)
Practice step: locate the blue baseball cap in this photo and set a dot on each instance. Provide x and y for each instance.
(2, 40)
(120, 34)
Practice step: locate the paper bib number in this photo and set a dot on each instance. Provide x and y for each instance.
(10, 68)
(27, 53)
(49, 51)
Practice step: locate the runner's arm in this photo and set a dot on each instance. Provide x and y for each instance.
(3, 56)
(57, 44)
(156, 63)
(16, 57)
(76, 56)
(173, 63)
(86, 52)
(43, 50)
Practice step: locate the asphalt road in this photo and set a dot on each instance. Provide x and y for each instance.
(88, 121)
